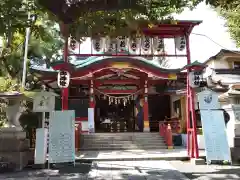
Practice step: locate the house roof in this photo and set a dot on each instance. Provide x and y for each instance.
(220, 54)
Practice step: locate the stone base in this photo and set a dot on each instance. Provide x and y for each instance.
(235, 154)
(14, 145)
(18, 159)
(12, 132)
(197, 161)
(14, 148)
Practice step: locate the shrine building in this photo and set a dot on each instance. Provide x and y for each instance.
(122, 76)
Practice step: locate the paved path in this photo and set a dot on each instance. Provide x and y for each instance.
(138, 154)
(114, 170)
(207, 172)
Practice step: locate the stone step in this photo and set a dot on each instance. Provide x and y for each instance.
(121, 148)
(127, 135)
(122, 140)
(124, 145)
(139, 144)
(121, 134)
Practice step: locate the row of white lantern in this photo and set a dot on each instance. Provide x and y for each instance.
(122, 43)
(145, 44)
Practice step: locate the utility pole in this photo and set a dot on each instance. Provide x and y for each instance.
(28, 30)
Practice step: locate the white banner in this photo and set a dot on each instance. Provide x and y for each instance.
(41, 146)
(62, 137)
(208, 100)
(44, 102)
(91, 124)
(214, 131)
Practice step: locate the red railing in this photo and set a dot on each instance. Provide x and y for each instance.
(166, 131)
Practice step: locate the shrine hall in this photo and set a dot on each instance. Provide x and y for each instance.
(130, 90)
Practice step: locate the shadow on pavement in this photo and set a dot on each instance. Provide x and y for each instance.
(218, 174)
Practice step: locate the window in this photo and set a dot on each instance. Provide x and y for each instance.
(236, 65)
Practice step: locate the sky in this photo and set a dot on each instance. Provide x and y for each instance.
(212, 26)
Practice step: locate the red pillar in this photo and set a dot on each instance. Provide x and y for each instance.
(146, 127)
(65, 92)
(193, 144)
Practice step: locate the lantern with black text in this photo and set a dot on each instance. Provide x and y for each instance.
(195, 79)
(180, 43)
(63, 79)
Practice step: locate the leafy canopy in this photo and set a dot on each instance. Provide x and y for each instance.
(121, 22)
(44, 42)
(230, 10)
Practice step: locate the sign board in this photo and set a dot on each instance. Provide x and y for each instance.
(215, 136)
(62, 137)
(195, 79)
(41, 146)
(91, 125)
(44, 102)
(208, 100)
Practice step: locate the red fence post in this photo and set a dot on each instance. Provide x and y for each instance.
(169, 137)
(77, 137)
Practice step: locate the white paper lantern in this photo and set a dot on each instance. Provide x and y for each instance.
(180, 43)
(146, 43)
(97, 44)
(134, 45)
(158, 45)
(110, 45)
(63, 79)
(122, 43)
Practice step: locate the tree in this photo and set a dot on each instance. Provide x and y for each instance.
(44, 41)
(120, 22)
(230, 10)
(224, 4)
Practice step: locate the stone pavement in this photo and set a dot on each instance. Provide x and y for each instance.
(107, 170)
(207, 172)
(138, 154)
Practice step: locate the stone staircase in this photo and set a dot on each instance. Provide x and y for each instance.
(121, 141)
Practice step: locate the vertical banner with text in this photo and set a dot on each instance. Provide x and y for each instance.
(91, 124)
(213, 125)
(62, 136)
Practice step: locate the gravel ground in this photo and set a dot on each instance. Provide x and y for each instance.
(207, 172)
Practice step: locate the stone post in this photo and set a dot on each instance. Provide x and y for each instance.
(233, 128)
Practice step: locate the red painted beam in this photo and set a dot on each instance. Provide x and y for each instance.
(81, 118)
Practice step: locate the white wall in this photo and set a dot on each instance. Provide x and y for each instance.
(221, 64)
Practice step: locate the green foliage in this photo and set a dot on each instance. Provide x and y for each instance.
(224, 4)
(8, 85)
(44, 41)
(233, 22)
(230, 10)
(123, 22)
